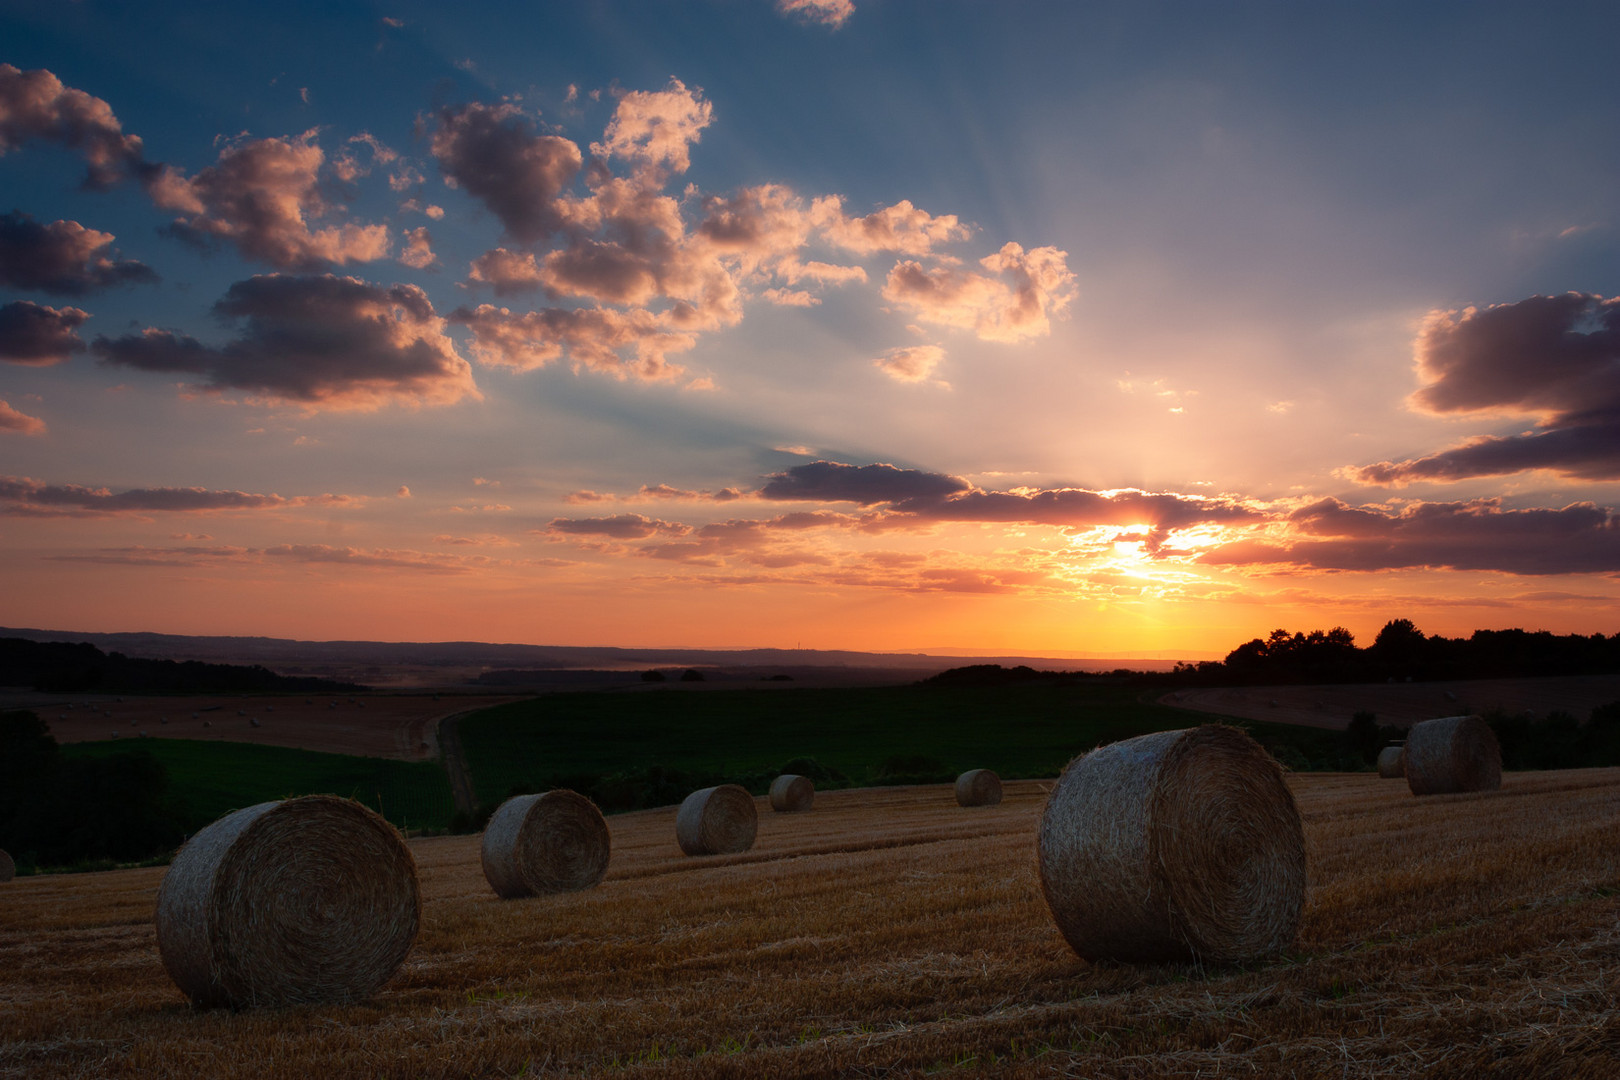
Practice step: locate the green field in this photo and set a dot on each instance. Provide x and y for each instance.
(1027, 730)
(212, 778)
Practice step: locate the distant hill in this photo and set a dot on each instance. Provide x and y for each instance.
(62, 666)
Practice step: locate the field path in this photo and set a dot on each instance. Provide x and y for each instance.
(455, 760)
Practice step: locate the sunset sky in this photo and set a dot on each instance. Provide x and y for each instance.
(1055, 328)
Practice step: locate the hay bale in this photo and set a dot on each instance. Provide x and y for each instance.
(549, 843)
(791, 793)
(312, 899)
(1174, 846)
(1392, 762)
(717, 821)
(1453, 753)
(978, 787)
(8, 869)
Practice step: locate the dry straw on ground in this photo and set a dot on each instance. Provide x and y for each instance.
(549, 843)
(8, 869)
(1173, 846)
(717, 821)
(312, 899)
(1453, 753)
(1392, 762)
(790, 792)
(978, 787)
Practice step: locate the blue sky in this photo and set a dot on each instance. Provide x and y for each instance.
(1238, 232)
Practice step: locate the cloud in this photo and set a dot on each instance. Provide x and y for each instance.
(830, 13)
(494, 152)
(829, 481)
(1553, 357)
(19, 494)
(63, 257)
(1011, 306)
(430, 562)
(260, 197)
(899, 228)
(618, 527)
(38, 336)
(1475, 535)
(35, 106)
(22, 423)
(910, 363)
(1078, 507)
(603, 339)
(655, 129)
(325, 341)
(418, 253)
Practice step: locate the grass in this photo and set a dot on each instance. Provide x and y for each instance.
(1019, 731)
(212, 778)
(890, 933)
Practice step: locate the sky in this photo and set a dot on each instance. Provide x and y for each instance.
(1061, 329)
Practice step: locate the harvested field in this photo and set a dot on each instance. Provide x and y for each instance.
(890, 934)
(399, 726)
(1401, 703)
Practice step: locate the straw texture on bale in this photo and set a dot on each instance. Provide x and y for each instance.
(8, 869)
(790, 792)
(1174, 846)
(1453, 753)
(978, 787)
(717, 821)
(307, 900)
(1392, 762)
(550, 843)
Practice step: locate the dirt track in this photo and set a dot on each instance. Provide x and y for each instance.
(1401, 703)
(399, 726)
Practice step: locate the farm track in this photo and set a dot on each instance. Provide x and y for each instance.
(889, 932)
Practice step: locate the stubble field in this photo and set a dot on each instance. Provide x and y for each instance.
(887, 933)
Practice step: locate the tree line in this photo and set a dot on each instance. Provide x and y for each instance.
(62, 667)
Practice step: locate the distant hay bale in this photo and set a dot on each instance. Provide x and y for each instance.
(978, 787)
(717, 821)
(791, 793)
(8, 869)
(548, 843)
(1453, 753)
(1392, 762)
(307, 900)
(1174, 846)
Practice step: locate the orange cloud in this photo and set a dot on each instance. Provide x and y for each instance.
(830, 13)
(36, 107)
(1012, 306)
(655, 129)
(260, 197)
(22, 423)
(910, 363)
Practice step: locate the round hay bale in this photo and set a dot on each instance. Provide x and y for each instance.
(307, 900)
(8, 869)
(1453, 753)
(717, 821)
(791, 793)
(548, 843)
(1392, 762)
(978, 787)
(1174, 846)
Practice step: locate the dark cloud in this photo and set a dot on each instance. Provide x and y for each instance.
(1476, 535)
(36, 335)
(334, 342)
(19, 494)
(261, 196)
(1078, 507)
(618, 527)
(1553, 357)
(494, 152)
(35, 106)
(63, 257)
(830, 481)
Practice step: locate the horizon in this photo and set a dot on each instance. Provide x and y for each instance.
(1096, 332)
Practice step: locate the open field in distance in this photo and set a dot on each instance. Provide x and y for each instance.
(1402, 703)
(399, 726)
(889, 932)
